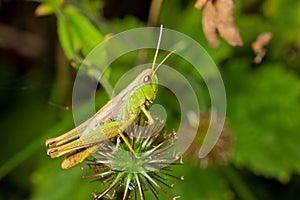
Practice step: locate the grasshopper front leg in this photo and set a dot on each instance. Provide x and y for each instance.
(127, 143)
(148, 115)
(122, 127)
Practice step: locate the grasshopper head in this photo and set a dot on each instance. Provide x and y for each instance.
(149, 83)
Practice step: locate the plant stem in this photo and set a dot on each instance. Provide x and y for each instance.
(154, 12)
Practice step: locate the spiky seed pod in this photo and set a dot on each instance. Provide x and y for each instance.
(128, 176)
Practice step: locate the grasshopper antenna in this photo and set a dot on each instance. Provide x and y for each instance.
(164, 60)
(157, 47)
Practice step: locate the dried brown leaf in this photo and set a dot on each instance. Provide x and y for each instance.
(225, 24)
(258, 46)
(261, 41)
(218, 18)
(209, 20)
(199, 4)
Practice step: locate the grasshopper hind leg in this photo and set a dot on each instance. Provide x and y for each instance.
(53, 142)
(68, 136)
(78, 157)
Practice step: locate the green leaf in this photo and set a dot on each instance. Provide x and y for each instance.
(201, 184)
(77, 34)
(52, 182)
(286, 13)
(263, 109)
(284, 18)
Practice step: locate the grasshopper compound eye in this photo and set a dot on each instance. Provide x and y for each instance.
(147, 80)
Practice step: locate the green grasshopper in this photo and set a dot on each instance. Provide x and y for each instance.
(111, 120)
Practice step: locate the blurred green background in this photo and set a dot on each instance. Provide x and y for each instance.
(36, 85)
